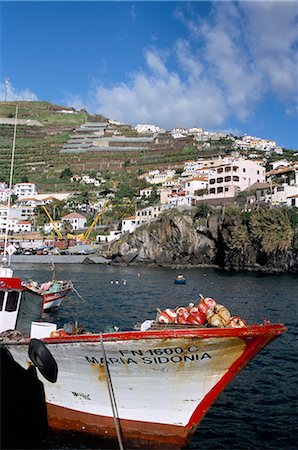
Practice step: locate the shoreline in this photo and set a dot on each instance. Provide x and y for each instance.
(92, 259)
(59, 259)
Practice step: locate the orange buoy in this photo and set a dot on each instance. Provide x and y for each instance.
(206, 303)
(182, 315)
(167, 316)
(196, 316)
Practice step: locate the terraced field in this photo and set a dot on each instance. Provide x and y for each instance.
(38, 154)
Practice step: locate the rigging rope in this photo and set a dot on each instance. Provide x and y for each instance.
(112, 396)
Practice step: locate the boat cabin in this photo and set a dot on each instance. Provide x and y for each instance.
(18, 306)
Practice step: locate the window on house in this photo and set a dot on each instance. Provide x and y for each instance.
(228, 169)
(220, 170)
(235, 178)
(212, 191)
(212, 181)
(219, 190)
(243, 170)
(226, 188)
(228, 178)
(220, 180)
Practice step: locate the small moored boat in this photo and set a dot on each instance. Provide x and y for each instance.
(180, 279)
(52, 292)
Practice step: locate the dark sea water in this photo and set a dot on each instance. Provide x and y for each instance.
(258, 410)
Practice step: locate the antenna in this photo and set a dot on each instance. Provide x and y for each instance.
(6, 81)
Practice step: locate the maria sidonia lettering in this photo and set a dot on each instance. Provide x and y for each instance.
(153, 356)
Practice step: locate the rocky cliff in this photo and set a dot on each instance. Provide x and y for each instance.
(227, 240)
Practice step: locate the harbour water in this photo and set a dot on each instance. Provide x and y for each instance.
(258, 410)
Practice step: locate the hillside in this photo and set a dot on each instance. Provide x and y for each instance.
(44, 129)
(52, 138)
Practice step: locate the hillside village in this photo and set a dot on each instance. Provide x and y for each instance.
(250, 171)
(217, 182)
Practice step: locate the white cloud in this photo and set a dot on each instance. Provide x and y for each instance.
(272, 37)
(9, 93)
(229, 62)
(155, 64)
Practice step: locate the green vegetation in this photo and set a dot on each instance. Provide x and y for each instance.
(268, 230)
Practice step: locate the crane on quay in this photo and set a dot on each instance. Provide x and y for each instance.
(82, 237)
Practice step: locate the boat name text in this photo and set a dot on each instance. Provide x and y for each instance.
(157, 356)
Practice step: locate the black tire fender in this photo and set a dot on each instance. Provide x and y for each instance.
(43, 359)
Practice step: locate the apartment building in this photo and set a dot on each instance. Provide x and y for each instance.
(25, 189)
(236, 176)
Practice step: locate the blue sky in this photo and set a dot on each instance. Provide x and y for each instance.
(228, 66)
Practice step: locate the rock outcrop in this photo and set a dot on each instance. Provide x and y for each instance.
(183, 239)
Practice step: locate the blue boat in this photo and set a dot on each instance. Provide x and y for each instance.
(180, 279)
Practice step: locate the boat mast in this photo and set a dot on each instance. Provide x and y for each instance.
(10, 185)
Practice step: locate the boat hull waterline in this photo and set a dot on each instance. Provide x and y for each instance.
(164, 381)
(52, 301)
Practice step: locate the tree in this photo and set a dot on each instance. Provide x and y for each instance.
(272, 229)
(203, 210)
(66, 173)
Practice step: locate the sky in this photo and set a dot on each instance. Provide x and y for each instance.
(222, 66)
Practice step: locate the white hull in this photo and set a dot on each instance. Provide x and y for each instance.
(53, 301)
(169, 379)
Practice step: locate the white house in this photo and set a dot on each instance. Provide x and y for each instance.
(4, 195)
(292, 200)
(147, 128)
(23, 226)
(192, 185)
(112, 236)
(76, 220)
(146, 192)
(128, 224)
(157, 177)
(48, 226)
(25, 189)
(281, 163)
(181, 198)
(147, 214)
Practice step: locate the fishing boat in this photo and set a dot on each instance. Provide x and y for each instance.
(180, 279)
(149, 386)
(53, 292)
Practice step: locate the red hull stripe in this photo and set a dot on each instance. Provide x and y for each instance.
(55, 296)
(133, 432)
(266, 330)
